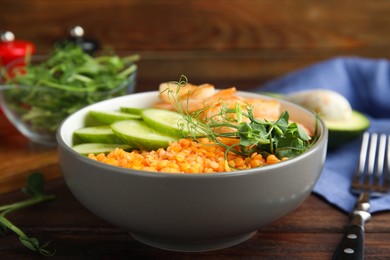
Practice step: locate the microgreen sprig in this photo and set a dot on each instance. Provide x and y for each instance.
(35, 189)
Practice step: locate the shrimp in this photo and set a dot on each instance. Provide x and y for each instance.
(191, 98)
(187, 92)
(266, 109)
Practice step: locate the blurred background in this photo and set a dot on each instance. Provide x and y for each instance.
(241, 43)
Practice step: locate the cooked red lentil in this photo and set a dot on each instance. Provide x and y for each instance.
(184, 156)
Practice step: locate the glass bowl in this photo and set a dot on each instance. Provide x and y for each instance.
(37, 111)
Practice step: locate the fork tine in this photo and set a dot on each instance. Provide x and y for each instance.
(363, 153)
(378, 180)
(381, 156)
(372, 155)
(358, 178)
(386, 177)
(368, 175)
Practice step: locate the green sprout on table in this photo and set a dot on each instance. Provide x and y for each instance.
(35, 189)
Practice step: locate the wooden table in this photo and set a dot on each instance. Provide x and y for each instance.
(310, 232)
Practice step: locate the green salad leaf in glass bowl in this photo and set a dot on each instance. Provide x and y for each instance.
(39, 92)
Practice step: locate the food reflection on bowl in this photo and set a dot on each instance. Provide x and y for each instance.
(37, 110)
(190, 212)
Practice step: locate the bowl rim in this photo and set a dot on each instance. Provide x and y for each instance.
(322, 140)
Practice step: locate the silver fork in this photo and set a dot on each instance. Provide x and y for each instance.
(370, 180)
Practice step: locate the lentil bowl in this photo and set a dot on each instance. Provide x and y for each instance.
(190, 212)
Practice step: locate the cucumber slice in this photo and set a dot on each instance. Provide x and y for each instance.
(96, 148)
(91, 121)
(131, 110)
(96, 134)
(139, 135)
(165, 121)
(341, 132)
(109, 117)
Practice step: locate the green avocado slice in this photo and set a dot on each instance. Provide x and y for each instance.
(341, 132)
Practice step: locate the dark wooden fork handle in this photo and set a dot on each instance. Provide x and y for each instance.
(352, 244)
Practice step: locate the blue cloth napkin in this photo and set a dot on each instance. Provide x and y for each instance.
(366, 85)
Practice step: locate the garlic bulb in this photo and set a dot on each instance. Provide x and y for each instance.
(329, 104)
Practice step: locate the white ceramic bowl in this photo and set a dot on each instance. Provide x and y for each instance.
(189, 212)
